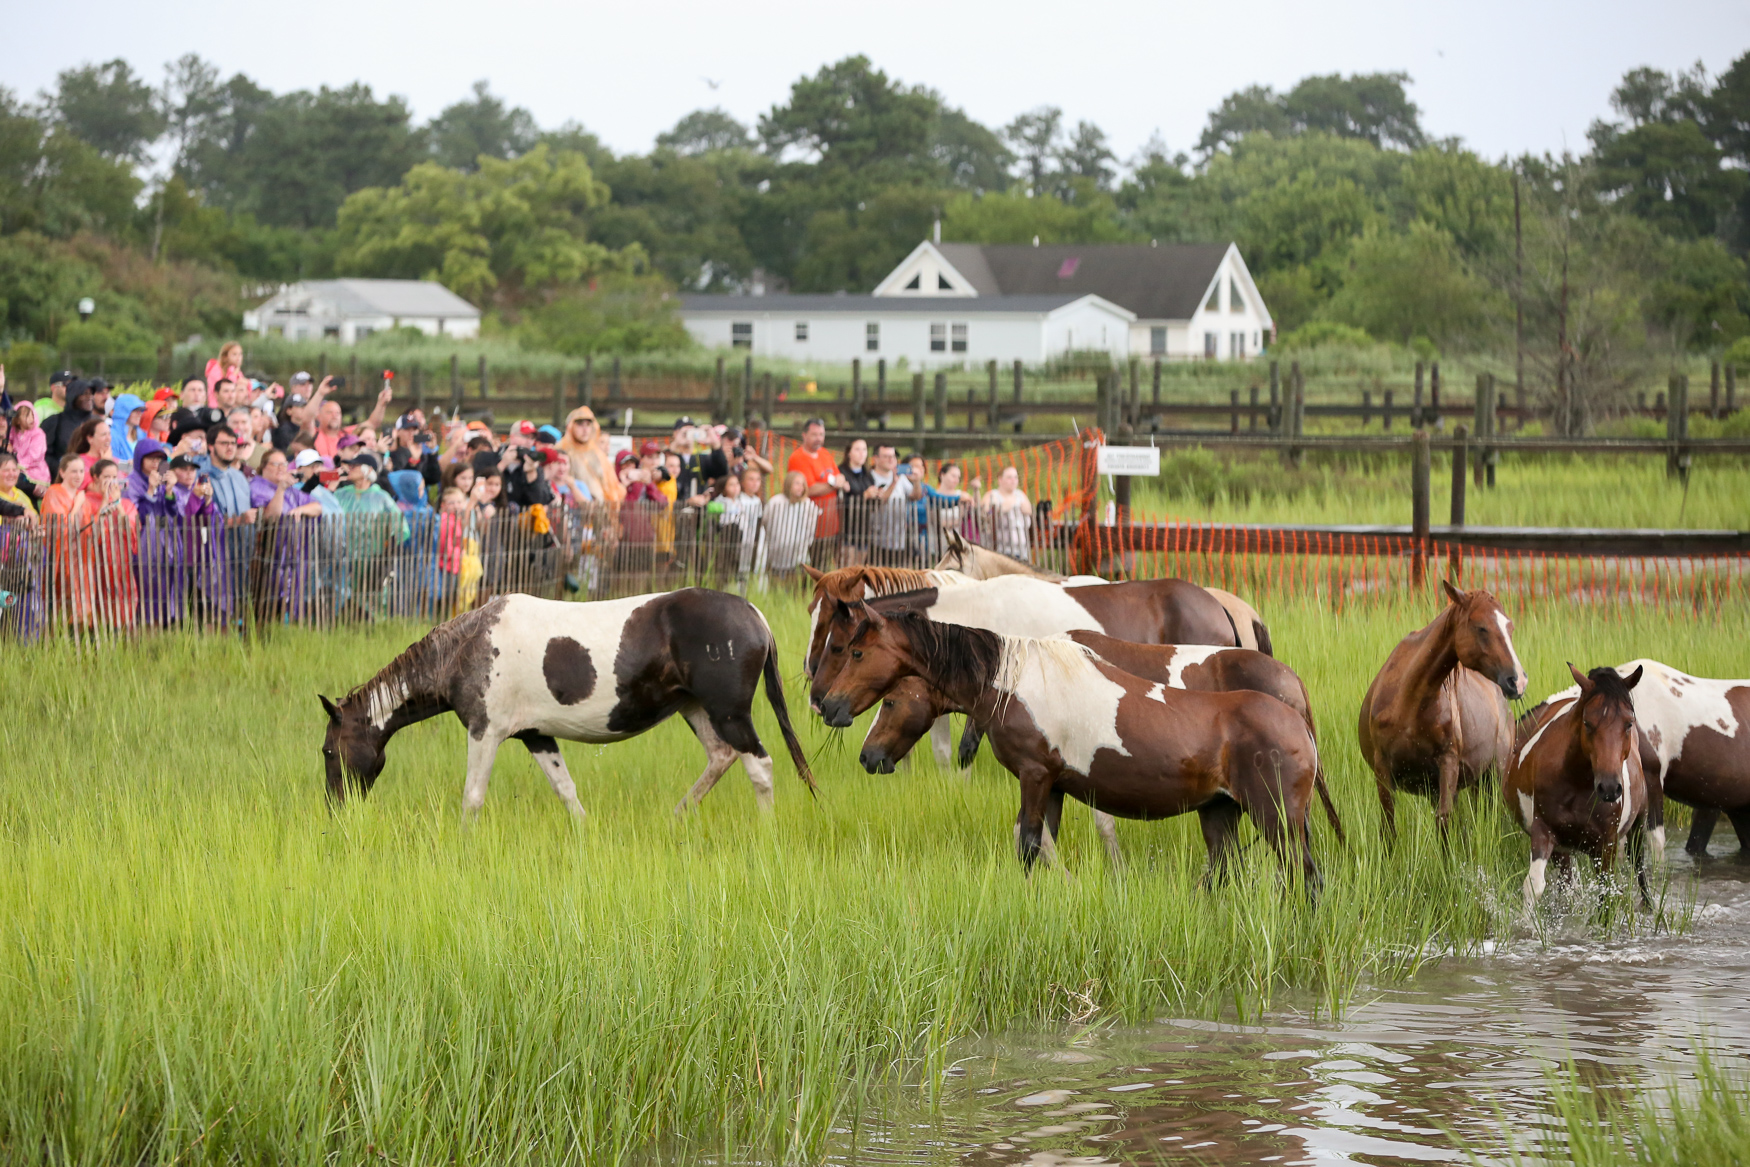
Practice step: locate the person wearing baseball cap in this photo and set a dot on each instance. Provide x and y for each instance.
(56, 399)
(360, 495)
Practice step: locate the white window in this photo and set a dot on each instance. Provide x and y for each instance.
(331, 330)
(959, 338)
(1210, 342)
(1157, 342)
(1236, 345)
(802, 330)
(872, 337)
(741, 334)
(938, 338)
(916, 284)
(1235, 301)
(1213, 304)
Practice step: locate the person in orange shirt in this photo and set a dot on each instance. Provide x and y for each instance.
(814, 462)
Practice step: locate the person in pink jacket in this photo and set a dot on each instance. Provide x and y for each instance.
(31, 444)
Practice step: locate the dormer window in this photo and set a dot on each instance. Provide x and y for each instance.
(1213, 304)
(916, 284)
(1235, 302)
(942, 284)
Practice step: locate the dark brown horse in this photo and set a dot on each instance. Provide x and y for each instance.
(1435, 720)
(1575, 783)
(1066, 723)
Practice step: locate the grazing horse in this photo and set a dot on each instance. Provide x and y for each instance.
(1695, 748)
(1435, 720)
(977, 562)
(536, 670)
(1066, 723)
(1575, 782)
(1166, 611)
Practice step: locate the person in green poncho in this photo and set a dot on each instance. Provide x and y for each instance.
(362, 496)
(371, 542)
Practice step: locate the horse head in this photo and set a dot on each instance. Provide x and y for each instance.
(858, 664)
(954, 554)
(352, 748)
(1605, 720)
(1482, 638)
(908, 710)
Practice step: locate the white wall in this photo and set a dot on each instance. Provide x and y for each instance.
(313, 327)
(1185, 339)
(1003, 337)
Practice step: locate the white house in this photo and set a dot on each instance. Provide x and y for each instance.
(925, 331)
(350, 310)
(1189, 300)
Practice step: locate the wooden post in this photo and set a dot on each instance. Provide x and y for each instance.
(1713, 392)
(559, 398)
(1731, 389)
(483, 379)
(1480, 425)
(856, 393)
(719, 392)
(455, 386)
(768, 400)
(1366, 407)
(917, 408)
(418, 390)
(971, 410)
(1436, 420)
(1677, 425)
(941, 402)
(1233, 404)
(586, 384)
(1416, 418)
(738, 394)
(990, 421)
(1252, 414)
(1418, 507)
(1020, 382)
(1460, 450)
(1297, 425)
(1386, 415)
(1157, 385)
(614, 389)
(881, 389)
(1276, 398)
(1100, 405)
(1132, 403)
(1490, 455)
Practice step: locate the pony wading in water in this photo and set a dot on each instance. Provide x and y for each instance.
(537, 670)
(1066, 723)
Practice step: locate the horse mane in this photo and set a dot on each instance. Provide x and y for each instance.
(959, 655)
(1015, 566)
(419, 666)
(849, 583)
(1066, 658)
(1611, 686)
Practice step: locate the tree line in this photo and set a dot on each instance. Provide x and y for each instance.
(175, 201)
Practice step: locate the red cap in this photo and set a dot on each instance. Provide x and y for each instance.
(651, 446)
(526, 427)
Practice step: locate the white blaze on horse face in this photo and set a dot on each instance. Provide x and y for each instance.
(1563, 712)
(1073, 704)
(1520, 680)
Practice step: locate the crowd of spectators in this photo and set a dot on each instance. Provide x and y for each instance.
(228, 449)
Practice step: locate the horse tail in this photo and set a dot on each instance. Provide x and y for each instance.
(1330, 807)
(970, 739)
(775, 694)
(1239, 641)
(1263, 635)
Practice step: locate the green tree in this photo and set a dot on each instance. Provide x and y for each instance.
(857, 123)
(1037, 137)
(57, 184)
(481, 127)
(852, 249)
(1088, 155)
(1451, 188)
(110, 108)
(705, 131)
(1014, 217)
(1370, 107)
(616, 313)
(1414, 284)
(684, 211)
(971, 156)
(497, 236)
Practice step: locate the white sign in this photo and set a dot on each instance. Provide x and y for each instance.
(617, 443)
(1142, 460)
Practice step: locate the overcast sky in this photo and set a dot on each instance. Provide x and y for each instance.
(1505, 76)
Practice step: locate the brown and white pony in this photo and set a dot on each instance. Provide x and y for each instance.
(909, 710)
(1165, 611)
(1067, 723)
(1695, 748)
(536, 670)
(1435, 719)
(1576, 783)
(977, 562)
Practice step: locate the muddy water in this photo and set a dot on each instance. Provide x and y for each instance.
(1465, 1047)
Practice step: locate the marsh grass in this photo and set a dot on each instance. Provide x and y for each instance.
(201, 964)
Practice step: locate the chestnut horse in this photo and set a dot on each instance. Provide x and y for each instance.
(1066, 723)
(1695, 748)
(1435, 720)
(977, 562)
(1576, 783)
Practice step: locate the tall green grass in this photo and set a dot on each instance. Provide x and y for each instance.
(199, 963)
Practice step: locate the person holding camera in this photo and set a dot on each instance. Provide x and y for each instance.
(415, 448)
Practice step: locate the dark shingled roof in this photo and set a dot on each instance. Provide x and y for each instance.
(1167, 282)
(936, 305)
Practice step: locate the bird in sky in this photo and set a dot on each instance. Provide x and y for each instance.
(711, 83)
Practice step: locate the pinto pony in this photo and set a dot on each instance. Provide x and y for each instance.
(536, 670)
(1576, 782)
(1435, 719)
(1066, 723)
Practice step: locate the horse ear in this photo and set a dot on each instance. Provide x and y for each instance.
(331, 707)
(1585, 681)
(956, 541)
(876, 620)
(1452, 593)
(814, 575)
(1633, 678)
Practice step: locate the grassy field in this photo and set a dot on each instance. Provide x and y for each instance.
(1530, 491)
(201, 964)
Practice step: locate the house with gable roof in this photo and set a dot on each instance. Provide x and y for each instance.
(966, 303)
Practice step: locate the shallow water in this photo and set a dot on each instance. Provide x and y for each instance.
(1465, 1047)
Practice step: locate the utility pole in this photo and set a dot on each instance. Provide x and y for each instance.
(1518, 303)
